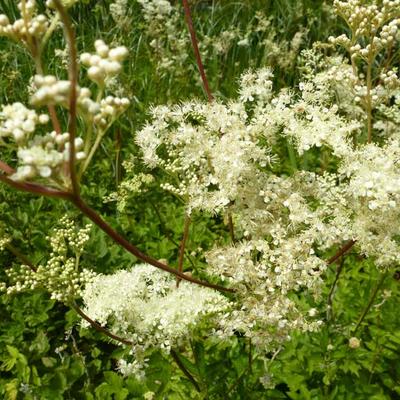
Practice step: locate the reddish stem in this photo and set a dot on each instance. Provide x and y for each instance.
(193, 38)
(100, 328)
(34, 188)
(54, 119)
(96, 219)
(346, 247)
(6, 168)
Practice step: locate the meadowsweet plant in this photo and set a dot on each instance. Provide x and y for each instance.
(281, 229)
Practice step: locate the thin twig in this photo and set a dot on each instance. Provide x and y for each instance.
(113, 234)
(6, 168)
(186, 227)
(233, 386)
(231, 227)
(73, 78)
(371, 301)
(20, 256)
(182, 367)
(35, 188)
(93, 323)
(332, 290)
(195, 45)
(100, 328)
(167, 232)
(344, 249)
(118, 145)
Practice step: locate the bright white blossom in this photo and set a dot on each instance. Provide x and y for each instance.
(144, 305)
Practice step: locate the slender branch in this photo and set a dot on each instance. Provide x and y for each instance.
(34, 188)
(231, 227)
(100, 328)
(118, 145)
(21, 257)
(94, 217)
(371, 301)
(368, 99)
(54, 119)
(73, 78)
(182, 367)
(6, 168)
(182, 246)
(195, 46)
(346, 247)
(247, 369)
(250, 356)
(332, 290)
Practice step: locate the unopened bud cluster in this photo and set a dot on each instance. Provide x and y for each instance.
(105, 64)
(4, 241)
(19, 122)
(60, 275)
(30, 25)
(379, 24)
(110, 108)
(50, 90)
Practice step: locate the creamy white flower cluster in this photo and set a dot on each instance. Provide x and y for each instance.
(105, 64)
(144, 305)
(374, 28)
(60, 276)
(38, 156)
(29, 25)
(120, 13)
(45, 156)
(207, 150)
(256, 85)
(19, 122)
(310, 121)
(50, 90)
(285, 222)
(264, 274)
(157, 8)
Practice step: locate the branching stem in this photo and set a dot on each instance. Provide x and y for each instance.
(96, 219)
